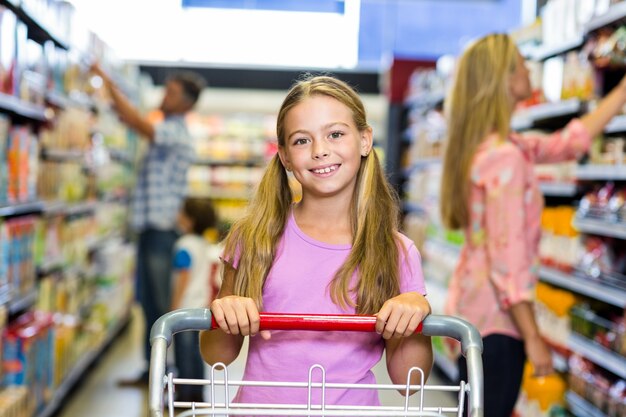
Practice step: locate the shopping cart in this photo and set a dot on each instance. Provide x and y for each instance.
(162, 386)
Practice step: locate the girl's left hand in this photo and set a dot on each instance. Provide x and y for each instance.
(400, 315)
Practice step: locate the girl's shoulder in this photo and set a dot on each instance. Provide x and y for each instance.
(406, 245)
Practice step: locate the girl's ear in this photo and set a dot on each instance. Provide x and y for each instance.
(367, 140)
(284, 159)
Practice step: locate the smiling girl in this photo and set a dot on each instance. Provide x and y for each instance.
(337, 251)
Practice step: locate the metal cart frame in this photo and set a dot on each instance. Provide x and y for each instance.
(201, 319)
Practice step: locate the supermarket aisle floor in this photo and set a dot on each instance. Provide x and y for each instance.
(99, 396)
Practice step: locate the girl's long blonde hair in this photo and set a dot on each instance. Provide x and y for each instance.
(374, 215)
(479, 104)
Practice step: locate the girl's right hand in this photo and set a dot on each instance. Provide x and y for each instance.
(237, 316)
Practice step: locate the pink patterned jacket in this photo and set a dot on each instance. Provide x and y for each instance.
(498, 263)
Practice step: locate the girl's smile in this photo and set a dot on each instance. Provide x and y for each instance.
(325, 171)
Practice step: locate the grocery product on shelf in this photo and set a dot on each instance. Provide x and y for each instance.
(66, 274)
(542, 396)
(605, 392)
(232, 151)
(582, 247)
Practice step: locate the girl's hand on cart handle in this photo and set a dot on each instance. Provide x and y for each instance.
(237, 316)
(400, 315)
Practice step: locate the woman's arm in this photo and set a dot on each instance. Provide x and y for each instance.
(610, 105)
(573, 141)
(535, 347)
(397, 321)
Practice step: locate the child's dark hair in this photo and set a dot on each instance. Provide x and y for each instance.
(201, 213)
(191, 82)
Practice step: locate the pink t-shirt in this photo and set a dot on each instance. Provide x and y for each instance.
(498, 263)
(298, 282)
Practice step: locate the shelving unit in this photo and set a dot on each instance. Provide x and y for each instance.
(20, 209)
(616, 125)
(581, 407)
(230, 162)
(599, 355)
(545, 117)
(584, 286)
(71, 265)
(36, 30)
(17, 107)
(22, 302)
(543, 52)
(552, 189)
(616, 13)
(80, 368)
(530, 117)
(599, 227)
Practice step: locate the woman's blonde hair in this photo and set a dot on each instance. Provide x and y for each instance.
(479, 104)
(374, 215)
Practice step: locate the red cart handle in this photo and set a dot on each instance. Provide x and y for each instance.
(317, 322)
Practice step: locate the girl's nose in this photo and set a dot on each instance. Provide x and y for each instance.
(320, 151)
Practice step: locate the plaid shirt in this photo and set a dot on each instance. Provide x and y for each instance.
(162, 180)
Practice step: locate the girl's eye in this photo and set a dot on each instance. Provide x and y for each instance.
(336, 135)
(300, 141)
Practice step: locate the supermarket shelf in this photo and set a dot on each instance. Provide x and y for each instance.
(616, 13)
(22, 302)
(221, 195)
(21, 209)
(581, 407)
(527, 118)
(422, 164)
(616, 125)
(448, 367)
(543, 52)
(69, 209)
(48, 267)
(599, 355)
(74, 99)
(36, 30)
(79, 369)
(559, 362)
(62, 155)
(588, 287)
(601, 172)
(558, 189)
(22, 108)
(601, 228)
(231, 162)
(57, 99)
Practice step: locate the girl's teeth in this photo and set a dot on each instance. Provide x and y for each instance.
(327, 170)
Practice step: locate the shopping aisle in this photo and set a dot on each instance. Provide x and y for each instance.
(99, 396)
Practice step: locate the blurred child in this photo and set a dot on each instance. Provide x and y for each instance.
(195, 283)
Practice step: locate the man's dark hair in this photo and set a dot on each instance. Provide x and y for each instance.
(202, 214)
(191, 82)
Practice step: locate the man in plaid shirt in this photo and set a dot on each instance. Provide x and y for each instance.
(160, 189)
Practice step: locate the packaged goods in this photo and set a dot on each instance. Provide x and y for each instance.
(8, 28)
